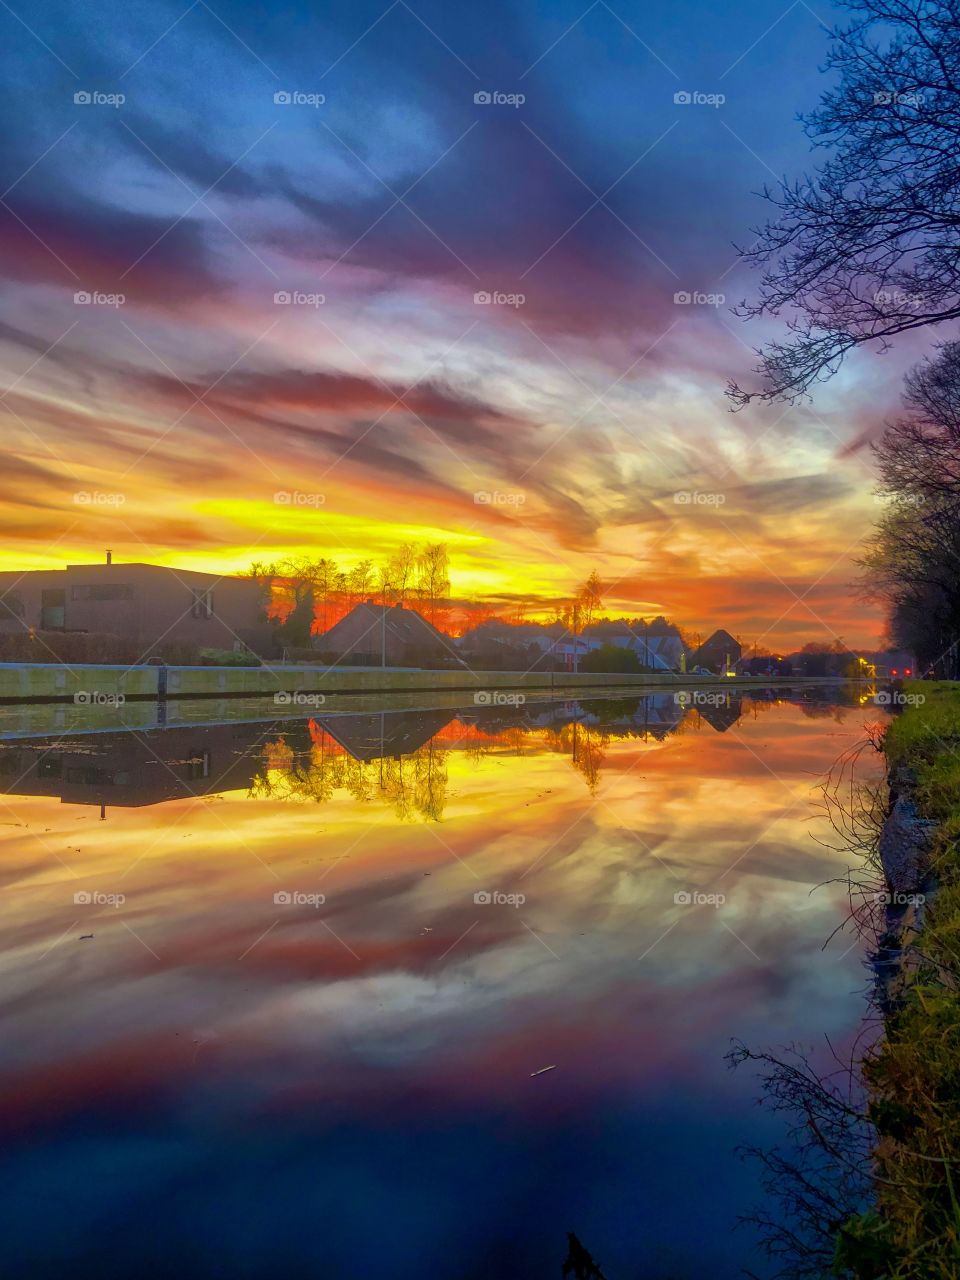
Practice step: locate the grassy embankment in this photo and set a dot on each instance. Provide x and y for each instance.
(913, 1076)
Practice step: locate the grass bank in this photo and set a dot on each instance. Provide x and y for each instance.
(913, 1075)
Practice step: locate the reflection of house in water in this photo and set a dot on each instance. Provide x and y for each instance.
(128, 769)
(650, 714)
(386, 733)
(723, 716)
(131, 769)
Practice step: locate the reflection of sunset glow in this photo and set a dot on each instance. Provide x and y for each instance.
(324, 937)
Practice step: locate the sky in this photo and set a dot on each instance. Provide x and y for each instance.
(289, 278)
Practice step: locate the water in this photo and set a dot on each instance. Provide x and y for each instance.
(330, 956)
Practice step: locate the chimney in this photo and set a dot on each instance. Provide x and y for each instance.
(109, 557)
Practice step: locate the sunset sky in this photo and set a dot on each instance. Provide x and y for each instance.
(203, 424)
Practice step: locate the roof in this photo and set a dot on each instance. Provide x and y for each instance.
(402, 624)
(719, 638)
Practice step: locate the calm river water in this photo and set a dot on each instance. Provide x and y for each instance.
(279, 998)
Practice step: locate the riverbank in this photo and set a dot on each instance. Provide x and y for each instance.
(913, 1074)
(95, 684)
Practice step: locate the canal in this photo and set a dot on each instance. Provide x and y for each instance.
(410, 993)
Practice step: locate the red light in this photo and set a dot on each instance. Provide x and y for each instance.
(893, 671)
(907, 671)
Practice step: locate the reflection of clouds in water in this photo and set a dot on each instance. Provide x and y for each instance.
(415, 1026)
(599, 876)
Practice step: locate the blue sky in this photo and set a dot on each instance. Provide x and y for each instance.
(584, 389)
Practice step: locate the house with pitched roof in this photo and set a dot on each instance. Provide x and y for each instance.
(393, 635)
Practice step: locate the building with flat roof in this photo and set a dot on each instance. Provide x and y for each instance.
(145, 603)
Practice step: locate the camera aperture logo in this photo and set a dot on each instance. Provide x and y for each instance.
(497, 698)
(494, 898)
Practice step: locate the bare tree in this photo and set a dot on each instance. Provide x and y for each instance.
(433, 577)
(866, 247)
(912, 561)
(400, 571)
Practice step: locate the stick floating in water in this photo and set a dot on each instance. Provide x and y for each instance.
(552, 1067)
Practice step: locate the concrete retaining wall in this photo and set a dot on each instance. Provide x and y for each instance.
(24, 682)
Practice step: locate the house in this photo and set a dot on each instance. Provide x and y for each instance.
(721, 652)
(659, 650)
(381, 734)
(374, 634)
(144, 603)
(657, 644)
(129, 770)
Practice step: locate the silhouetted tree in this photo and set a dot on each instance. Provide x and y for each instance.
(579, 1263)
(296, 628)
(866, 247)
(912, 562)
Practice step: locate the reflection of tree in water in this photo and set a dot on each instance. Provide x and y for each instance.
(413, 784)
(589, 750)
(824, 711)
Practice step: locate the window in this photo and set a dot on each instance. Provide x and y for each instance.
(102, 591)
(11, 605)
(198, 766)
(202, 603)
